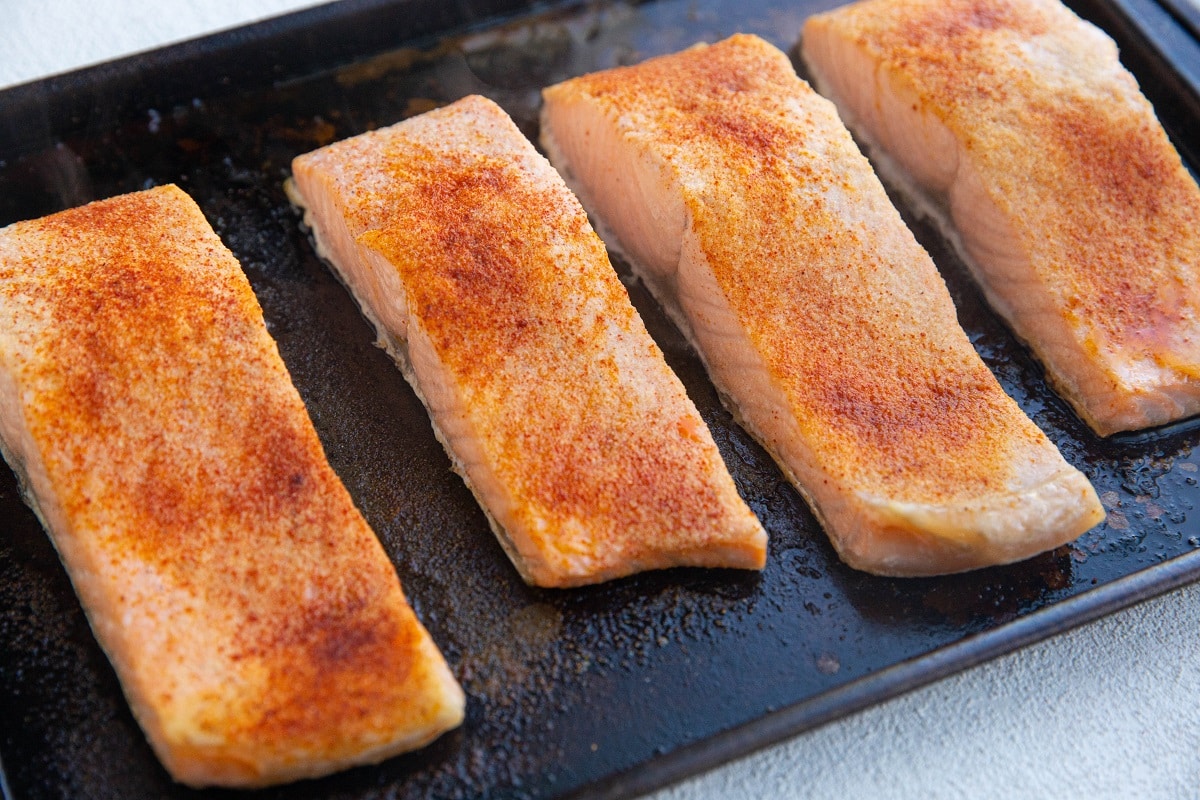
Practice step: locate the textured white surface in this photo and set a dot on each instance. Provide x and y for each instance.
(1108, 711)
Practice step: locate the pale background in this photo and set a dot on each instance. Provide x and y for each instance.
(1111, 710)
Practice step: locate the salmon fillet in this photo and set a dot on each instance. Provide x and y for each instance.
(743, 203)
(1018, 128)
(256, 625)
(486, 283)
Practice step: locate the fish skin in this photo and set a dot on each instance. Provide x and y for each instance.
(256, 624)
(1013, 124)
(488, 286)
(741, 200)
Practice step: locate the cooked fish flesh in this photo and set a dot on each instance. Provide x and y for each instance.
(1018, 128)
(257, 627)
(743, 203)
(485, 281)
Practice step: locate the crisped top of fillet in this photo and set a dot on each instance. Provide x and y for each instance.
(255, 621)
(605, 460)
(1072, 155)
(844, 307)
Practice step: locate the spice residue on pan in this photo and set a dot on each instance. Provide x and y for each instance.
(506, 654)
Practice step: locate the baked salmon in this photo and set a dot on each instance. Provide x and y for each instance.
(1013, 123)
(257, 627)
(488, 286)
(743, 203)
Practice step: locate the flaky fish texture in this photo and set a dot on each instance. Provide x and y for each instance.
(1019, 130)
(485, 281)
(256, 625)
(744, 204)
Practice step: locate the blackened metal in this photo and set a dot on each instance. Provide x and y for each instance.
(270, 52)
(594, 692)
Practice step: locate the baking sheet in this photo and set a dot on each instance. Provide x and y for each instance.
(599, 692)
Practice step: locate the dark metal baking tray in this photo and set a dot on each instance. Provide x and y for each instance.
(599, 692)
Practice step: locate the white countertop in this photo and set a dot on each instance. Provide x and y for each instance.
(1110, 710)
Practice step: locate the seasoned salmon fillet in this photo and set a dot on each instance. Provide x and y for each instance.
(741, 200)
(256, 625)
(486, 283)
(1015, 125)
